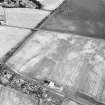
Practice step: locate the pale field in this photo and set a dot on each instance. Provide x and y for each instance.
(12, 97)
(9, 37)
(70, 60)
(24, 17)
(69, 102)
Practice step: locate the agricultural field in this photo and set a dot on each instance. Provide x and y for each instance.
(52, 52)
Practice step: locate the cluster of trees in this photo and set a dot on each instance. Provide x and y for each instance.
(21, 3)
